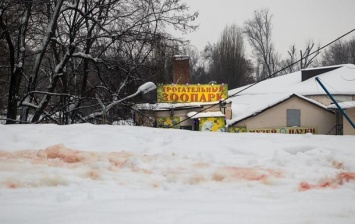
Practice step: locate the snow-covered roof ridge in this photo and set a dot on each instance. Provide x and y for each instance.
(165, 106)
(339, 81)
(343, 105)
(194, 114)
(330, 66)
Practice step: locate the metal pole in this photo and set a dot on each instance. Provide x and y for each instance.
(335, 102)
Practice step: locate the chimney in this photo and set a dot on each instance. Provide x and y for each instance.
(181, 69)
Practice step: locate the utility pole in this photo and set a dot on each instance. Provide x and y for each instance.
(335, 102)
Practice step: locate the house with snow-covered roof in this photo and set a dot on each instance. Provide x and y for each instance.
(294, 103)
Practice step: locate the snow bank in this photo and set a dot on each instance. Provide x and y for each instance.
(123, 174)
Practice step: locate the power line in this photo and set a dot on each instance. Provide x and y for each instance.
(270, 76)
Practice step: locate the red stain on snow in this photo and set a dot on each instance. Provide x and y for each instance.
(49, 155)
(339, 179)
(346, 177)
(4, 154)
(337, 165)
(63, 157)
(250, 174)
(193, 173)
(62, 153)
(92, 174)
(11, 185)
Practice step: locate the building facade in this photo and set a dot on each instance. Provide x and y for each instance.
(293, 115)
(183, 105)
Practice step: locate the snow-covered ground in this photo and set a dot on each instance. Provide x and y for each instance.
(122, 174)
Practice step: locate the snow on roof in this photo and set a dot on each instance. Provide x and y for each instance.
(323, 67)
(250, 105)
(181, 57)
(168, 106)
(194, 114)
(270, 92)
(247, 105)
(339, 81)
(343, 105)
(265, 94)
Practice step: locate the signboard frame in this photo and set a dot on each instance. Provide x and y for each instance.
(177, 93)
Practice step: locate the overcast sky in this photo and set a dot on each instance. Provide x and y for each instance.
(294, 21)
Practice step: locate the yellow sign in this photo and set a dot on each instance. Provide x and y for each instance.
(168, 122)
(212, 124)
(283, 130)
(175, 93)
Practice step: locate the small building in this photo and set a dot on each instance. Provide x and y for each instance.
(295, 103)
(180, 104)
(282, 113)
(180, 115)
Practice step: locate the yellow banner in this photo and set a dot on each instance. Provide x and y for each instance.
(283, 130)
(174, 93)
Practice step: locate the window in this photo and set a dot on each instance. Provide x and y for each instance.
(293, 117)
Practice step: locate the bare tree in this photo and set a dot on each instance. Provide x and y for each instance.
(194, 56)
(82, 49)
(290, 64)
(259, 33)
(305, 59)
(341, 52)
(308, 56)
(14, 20)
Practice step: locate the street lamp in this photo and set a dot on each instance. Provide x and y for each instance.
(143, 89)
(146, 87)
